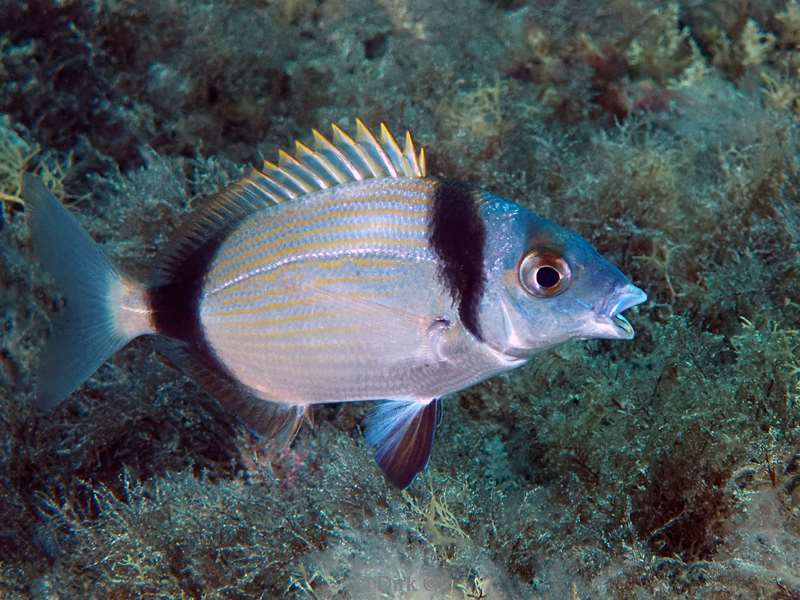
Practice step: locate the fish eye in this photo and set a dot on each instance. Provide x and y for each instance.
(544, 273)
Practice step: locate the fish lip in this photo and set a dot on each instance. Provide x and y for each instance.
(628, 297)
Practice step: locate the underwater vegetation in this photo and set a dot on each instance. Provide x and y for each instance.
(665, 133)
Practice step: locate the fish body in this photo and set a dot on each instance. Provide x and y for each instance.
(337, 297)
(342, 273)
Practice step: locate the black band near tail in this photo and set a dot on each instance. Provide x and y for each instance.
(176, 286)
(176, 303)
(457, 235)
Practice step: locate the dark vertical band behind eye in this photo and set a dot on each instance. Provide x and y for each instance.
(457, 235)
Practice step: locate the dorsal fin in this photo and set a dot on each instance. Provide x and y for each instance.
(344, 159)
(327, 164)
(210, 222)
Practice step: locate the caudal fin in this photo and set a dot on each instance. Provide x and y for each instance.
(96, 322)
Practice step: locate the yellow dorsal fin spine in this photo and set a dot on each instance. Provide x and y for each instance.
(319, 164)
(336, 156)
(410, 154)
(253, 184)
(329, 163)
(291, 165)
(286, 179)
(393, 150)
(278, 190)
(355, 152)
(367, 140)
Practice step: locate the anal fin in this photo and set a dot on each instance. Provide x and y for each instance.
(277, 422)
(402, 434)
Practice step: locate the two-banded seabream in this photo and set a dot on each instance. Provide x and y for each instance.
(342, 273)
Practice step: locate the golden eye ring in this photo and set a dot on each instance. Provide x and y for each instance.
(544, 273)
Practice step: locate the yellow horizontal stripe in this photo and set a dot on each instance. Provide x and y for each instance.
(271, 348)
(310, 298)
(283, 320)
(261, 293)
(305, 346)
(337, 263)
(224, 263)
(239, 252)
(266, 261)
(298, 209)
(288, 333)
(291, 223)
(215, 285)
(243, 312)
(322, 357)
(352, 279)
(318, 263)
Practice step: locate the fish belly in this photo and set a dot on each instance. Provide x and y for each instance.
(336, 297)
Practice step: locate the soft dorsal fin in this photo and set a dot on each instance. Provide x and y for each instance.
(207, 225)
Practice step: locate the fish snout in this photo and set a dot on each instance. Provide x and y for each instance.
(611, 323)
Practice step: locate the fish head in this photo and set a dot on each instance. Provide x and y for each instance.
(546, 284)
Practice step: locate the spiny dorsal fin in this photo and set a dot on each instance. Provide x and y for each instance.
(330, 163)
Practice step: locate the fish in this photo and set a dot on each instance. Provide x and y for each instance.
(344, 272)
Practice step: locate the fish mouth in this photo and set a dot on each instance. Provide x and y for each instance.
(623, 324)
(613, 324)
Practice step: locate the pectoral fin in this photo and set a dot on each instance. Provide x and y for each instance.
(402, 434)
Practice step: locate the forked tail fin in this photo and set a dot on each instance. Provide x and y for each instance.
(105, 310)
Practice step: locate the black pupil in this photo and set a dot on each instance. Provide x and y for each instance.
(547, 277)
